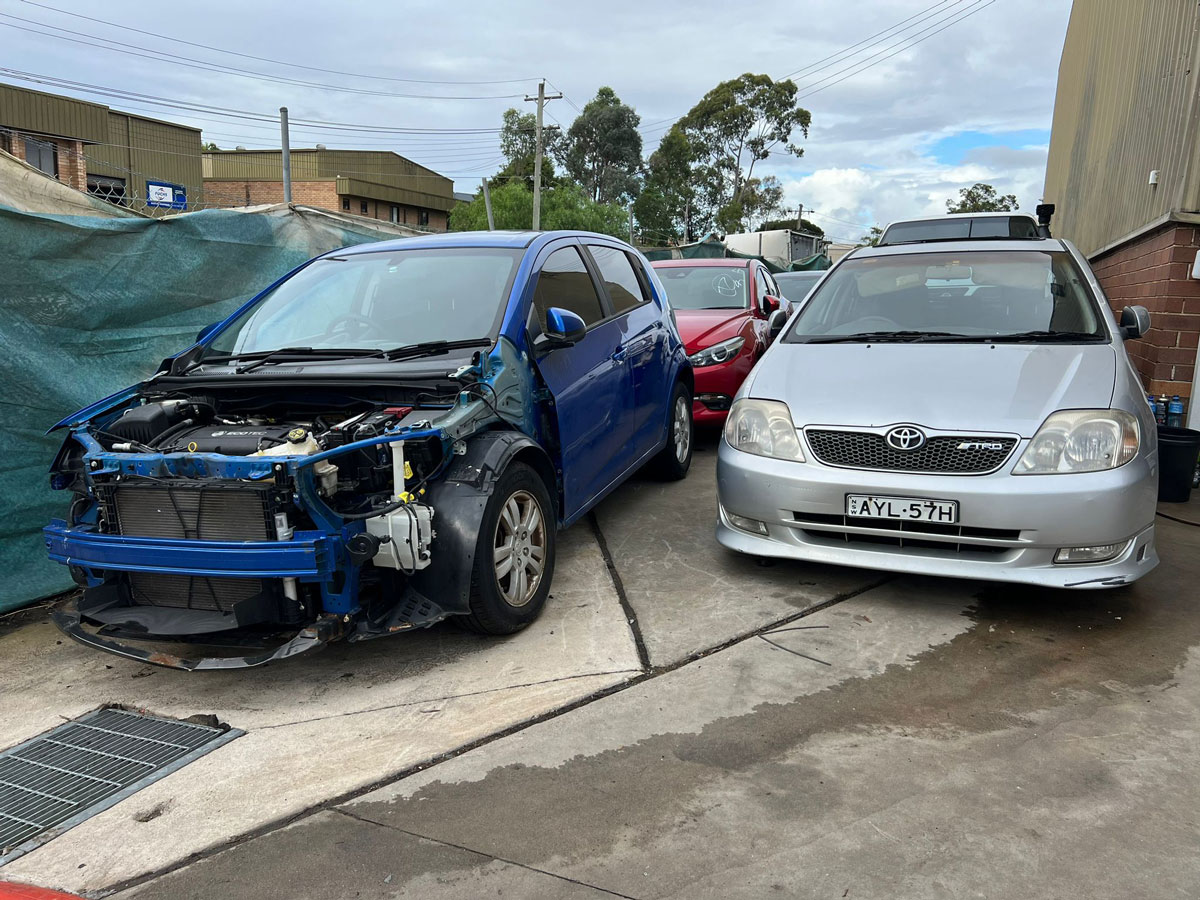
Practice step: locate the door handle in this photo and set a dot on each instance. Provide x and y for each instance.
(619, 354)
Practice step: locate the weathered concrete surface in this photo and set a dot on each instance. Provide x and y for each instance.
(689, 592)
(319, 726)
(964, 741)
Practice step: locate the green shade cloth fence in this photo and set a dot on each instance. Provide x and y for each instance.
(91, 305)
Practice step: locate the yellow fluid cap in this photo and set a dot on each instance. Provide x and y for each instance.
(297, 435)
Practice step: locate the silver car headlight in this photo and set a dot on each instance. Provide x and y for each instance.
(717, 353)
(764, 428)
(1081, 440)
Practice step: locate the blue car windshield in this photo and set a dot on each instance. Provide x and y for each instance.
(379, 300)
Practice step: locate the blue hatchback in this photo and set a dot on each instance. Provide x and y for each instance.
(388, 436)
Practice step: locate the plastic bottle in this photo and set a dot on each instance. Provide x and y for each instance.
(1175, 412)
(1153, 406)
(1160, 411)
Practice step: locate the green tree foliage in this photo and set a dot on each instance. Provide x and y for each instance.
(805, 226)
(209, 145)
(518, 143)
(603, 148)
(981, 197)
(871, 238)
(734, 126)
(665, 207)
(563, 206)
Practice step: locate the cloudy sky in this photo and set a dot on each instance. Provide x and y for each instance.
(910, 99)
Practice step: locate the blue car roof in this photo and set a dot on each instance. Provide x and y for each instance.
(510, 239)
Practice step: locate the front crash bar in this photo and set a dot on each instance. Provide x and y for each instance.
(309, 555)
(68, 618)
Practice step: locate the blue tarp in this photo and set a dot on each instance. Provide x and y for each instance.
(91, 305)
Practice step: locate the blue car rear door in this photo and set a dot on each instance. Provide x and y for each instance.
(643, 343)
(589, 380)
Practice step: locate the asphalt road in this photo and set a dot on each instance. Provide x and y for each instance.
(681, 723)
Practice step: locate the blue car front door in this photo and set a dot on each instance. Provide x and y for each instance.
(589, 381)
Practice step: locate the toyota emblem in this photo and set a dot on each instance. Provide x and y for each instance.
(905, 437)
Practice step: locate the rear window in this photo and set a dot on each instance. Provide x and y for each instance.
(973, 295)
(960, 228)
(705, 287)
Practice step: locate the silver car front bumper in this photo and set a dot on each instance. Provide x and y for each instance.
(1010, 525)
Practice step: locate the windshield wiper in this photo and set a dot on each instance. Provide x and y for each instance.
(429, 348)
(265, 356)
(880, 337)
(1046, 337)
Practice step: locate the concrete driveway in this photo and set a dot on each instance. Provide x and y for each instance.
(681, 722)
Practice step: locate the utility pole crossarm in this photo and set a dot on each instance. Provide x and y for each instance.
(541, 99)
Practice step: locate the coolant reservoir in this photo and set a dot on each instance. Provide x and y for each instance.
(300, 442)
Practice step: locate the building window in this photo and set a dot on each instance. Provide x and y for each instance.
(363, 207)
(346, 204)
(41, 155)
(395, 215)
(106, 188)
(422, 218)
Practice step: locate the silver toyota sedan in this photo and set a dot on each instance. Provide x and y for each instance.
(959, 408)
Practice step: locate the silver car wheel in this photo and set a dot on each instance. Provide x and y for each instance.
(519, 548)
(682, 429)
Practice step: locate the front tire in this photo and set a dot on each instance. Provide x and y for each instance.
(514, 554)
(674, 460)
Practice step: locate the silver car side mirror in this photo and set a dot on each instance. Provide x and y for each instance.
(1135, 322)
(775, 323)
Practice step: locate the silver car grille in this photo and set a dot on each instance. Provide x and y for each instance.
(940, 454)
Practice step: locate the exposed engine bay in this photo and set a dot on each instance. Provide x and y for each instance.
(307, 516)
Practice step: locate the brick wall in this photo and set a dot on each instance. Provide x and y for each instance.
(1153, 271)
(322, 194)
(72, 166)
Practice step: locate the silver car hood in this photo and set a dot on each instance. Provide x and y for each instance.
(974, 387)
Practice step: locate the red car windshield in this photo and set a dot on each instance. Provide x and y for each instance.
(705, 287)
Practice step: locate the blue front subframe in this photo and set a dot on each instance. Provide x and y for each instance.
(308, 555)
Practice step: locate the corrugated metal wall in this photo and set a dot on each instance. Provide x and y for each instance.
(138, 150)
(378, 174)
(50, 114)
(1126, 105)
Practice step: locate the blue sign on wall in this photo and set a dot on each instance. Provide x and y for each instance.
(163, 194)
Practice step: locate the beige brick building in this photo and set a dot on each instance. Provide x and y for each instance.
(373, 183)
(121, 157)
(1124, 172)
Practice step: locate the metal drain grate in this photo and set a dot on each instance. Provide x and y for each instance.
(57, 780)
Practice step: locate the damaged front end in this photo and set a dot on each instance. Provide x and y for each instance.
(223, 526)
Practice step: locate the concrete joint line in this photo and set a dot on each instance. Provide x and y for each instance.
(447, 697)
(335, 802)
(619, 587)
(471, 850)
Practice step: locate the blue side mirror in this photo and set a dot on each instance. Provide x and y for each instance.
(206, 331)
(563, 327)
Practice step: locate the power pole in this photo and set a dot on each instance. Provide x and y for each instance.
(487, 202)
(541, 99)
(286, 154)
(799, 217)
(630, 224)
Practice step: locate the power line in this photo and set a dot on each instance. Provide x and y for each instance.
(277, 62)
(877, 34)
(191, 63)
(228, 112)
(961, 16)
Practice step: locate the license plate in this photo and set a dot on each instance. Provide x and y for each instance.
(911, 509)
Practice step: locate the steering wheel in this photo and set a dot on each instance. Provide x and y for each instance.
(338, 324)
(868, 323)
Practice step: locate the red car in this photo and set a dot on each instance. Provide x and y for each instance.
(724, 309)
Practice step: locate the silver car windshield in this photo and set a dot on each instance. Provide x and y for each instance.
(1035, 296)
(374, 301)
